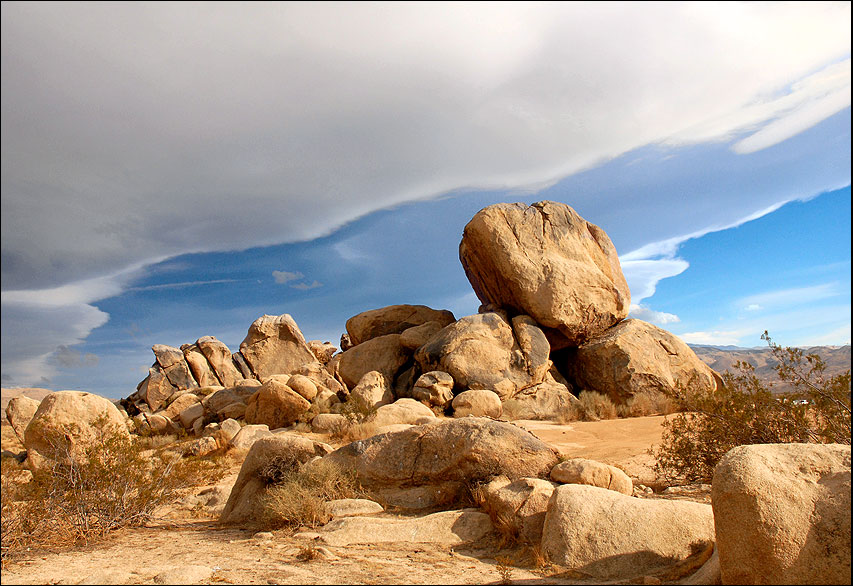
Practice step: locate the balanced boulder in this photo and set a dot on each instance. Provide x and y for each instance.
(19, 412)
(275, 404)
(394, 319)
(275, 345)
(546, 261)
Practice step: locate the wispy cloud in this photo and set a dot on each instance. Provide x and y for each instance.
(306, 287)
(660, 318)
(788, 297)
(185, 284)
(282, 277)
(715, 337)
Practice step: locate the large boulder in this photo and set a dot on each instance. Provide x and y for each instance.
(174, 366)
(275, 404)
(155, 388)
(219, 357)
(372, 392)
(592, 473)
(73, 421)
(19, 412)
(518, 506)
(267, 458)
(394, 319)
(199, 366)
(782, 513)
(402, 412)
(275, 345)
(489, 351)
(605, 534)
(477, 403)
(383, 354)
(546, 261)
(434, 388)
(457, 450)
(546, 401)
(636, 357)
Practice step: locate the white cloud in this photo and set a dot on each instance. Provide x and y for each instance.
(753, 307)
(306, 287)
(789, 297)
(282, 277)
(660, 318)
(643, 275)
(713, 338)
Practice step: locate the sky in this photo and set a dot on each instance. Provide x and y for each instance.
(175, 170)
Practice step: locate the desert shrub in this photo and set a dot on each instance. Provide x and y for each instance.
(299, 493)
(591, 406)
(647, 403)
(744, 412)
(82, 494)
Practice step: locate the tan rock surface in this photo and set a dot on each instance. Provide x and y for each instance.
(275, 345)
(548, 401)
(547, 262)
(372, 391)
(434, 388)
(782, 513)
(155, 388)
(19, 413)
(383, 354)
(477, 403)
(219, 357)
(522, 503)
(402, 411)
(605, 534)
(592, 473)
(637, 357)
(174, 366)
(394, 319)
(199, 366)
(275, 404)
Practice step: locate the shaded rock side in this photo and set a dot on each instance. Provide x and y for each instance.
(487, 351)
(637, 357)
(519, 504)
(782, 513)
(546, 261)
(605, 534)
(19, 412)
(460, 450)
(219, 357)
(266, 457)
(275, 345)
(394, 319)
(199, 366)
(174, 366)
(275, 404)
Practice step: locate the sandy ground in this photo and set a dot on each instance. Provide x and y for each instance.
(198, 550)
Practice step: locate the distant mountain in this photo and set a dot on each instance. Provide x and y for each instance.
(723, 358)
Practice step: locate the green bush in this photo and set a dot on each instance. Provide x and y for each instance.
(744, 412)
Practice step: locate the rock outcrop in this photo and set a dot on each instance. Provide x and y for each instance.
(547, 262)
(383, 354)
(275, 345)
(275, 404)
(637, 357)
(519, 505)
(394, 319)
(605, 534)
(782, 513)
(19, 412)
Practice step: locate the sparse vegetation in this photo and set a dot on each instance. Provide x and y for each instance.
(298, 494)
(591, 406)
(83, 494)
(745, 411)
(504, 568)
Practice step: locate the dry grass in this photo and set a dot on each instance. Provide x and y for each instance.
(504, 569)
(648, 403)
(591, 406)
(298, 494)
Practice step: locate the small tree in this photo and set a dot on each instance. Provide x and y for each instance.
(744, 411)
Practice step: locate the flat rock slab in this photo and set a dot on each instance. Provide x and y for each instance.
(447, 527)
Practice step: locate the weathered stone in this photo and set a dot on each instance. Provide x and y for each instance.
(174, 366)
(636, 357)
(545, 401)
(456, 450)
(782, 513)
(235, 410)
(199, 366)
(352, 507)
(156, 388)
(19, 412)
(303, 385)
(605, 534)
(434, 388)
(478, 403)
(276, 405)
(242, 365)
(372, 391)
(227, 430)
(521, 504)
(417, 336)
(219, 357)
(190, 414)
(407, 411)
(327, 422)
(323, 351)
(275, 345)
(275, 451)
(482, 351)
(248, 435)
(203, 446)
(217, 401)
(383, 354)
(394, 319)
(73, 418)
(321, 376)
(179, 404)
(592, 473)
(547, 262)
(446, 528)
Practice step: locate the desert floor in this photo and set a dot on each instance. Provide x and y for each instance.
(186, 549)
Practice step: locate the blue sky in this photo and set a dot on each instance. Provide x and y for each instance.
(157, 189)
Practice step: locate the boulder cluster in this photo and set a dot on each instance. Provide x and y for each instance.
(552, 323)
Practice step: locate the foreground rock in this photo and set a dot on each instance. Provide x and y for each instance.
(73, 419)
(606, 534)
(519, 506)
(275, 345)
(636, 357)
(783, 514)
(267, 457)
(592, 473)
(446, 528)
(547, 262)
(275, 404)
(457, 450)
